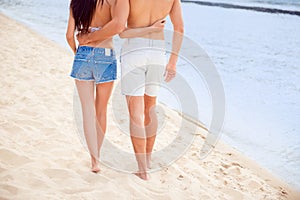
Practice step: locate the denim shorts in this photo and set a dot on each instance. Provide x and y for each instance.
(94, 64)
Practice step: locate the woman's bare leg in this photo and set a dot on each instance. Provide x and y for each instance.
(137, 132)
(150, 125)
(86, 94)
(103, 92)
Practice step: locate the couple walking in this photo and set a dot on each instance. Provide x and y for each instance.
(141, 24)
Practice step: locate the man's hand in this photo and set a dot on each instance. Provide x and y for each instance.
(82, 38)
(170, 72)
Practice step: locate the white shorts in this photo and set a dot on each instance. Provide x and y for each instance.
(143, 63)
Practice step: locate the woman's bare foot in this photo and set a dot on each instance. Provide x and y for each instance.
(95, 165)
(95, 169)
(142, 175)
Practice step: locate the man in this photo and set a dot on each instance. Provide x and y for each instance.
(143, 67)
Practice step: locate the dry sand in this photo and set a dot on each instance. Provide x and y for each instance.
(42, 156)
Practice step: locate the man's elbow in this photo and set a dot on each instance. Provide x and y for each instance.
(179, 29)
(121, 27)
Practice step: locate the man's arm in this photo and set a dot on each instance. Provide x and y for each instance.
(120, 12)
(140, 32)
(70, 32)
(178, 27)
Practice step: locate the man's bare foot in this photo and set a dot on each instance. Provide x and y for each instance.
(142, 175)
(148, 159)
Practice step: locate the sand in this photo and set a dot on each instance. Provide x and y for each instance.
(42, 156)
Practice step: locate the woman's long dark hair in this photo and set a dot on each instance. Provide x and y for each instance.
(83, 12)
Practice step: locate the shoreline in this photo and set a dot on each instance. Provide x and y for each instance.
(224, 172)
(245, 7)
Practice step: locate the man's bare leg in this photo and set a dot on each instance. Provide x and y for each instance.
(103, 92)
(86, 94)
(137, 132)
(150, 125)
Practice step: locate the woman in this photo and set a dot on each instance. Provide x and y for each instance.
(95, 63)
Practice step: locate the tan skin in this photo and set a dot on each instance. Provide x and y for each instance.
(146, 19)
(145, 13)
(112, 18)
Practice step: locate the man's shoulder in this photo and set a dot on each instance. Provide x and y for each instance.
(110, 2)
(113, 2)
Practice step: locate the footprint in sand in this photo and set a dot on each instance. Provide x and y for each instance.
(254, 185)
(30, 123)
(233, 193)
(12, 158)
(94, 179)
(78, 190)
(28, 112)
(59, 174)
(37, 183)
(11, 129)
(234, 171)
(6, 178)
(8, 189)
(233, 168)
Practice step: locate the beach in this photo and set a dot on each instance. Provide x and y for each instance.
(42, 156)
(256, 56)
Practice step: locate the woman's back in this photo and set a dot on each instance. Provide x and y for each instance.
(102, 15)
(91, 15)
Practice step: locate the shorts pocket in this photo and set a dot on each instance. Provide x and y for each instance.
(134, 59)
(106, 72)
(82, 56)
(104, 59)
(82, 70)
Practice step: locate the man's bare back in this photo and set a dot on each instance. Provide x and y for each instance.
(148, 14)
(144, 13)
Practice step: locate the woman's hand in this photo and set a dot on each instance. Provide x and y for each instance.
(159, 25)
(82, 38)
